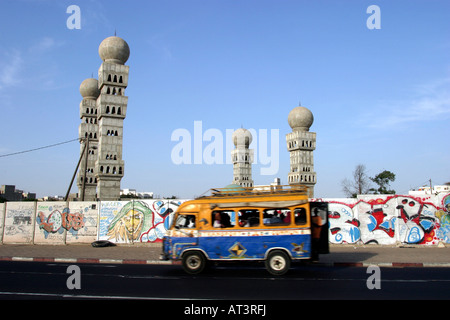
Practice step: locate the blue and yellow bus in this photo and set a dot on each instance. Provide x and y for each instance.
(272, 223)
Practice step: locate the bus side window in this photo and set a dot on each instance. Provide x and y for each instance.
(223, 219)
(248, 218)
(277, 217)
(300, 216)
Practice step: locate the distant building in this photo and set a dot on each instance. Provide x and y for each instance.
(29, 195)
(128, 192)
(276, 184)
(428, 190)
(10, 193)
(72, 197)
(132, 193)
(145, 195)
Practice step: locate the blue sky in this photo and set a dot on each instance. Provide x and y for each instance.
(379, 97)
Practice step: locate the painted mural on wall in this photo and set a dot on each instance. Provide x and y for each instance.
(390, 219)
(51, 220)
(135, 221)
(19, 222)
(375, 219)
(57, 223)
(2, 219)
(443, 215)
(82, 220)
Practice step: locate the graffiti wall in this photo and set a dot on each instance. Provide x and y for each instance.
(19, 222)
(57, 223)
(390, 219)
(85, 222)
(50, 218)
(384, 220)
(81, 222)
(135, 221)
(2, 219)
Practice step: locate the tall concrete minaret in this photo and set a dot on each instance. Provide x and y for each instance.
(242, 158)
(301, 143)
(88, 134)
(112, 109)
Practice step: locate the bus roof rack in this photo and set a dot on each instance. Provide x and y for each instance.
(236, 190)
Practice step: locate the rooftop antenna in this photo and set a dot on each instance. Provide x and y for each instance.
(115, 33)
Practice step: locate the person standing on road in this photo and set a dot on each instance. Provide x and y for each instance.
(316, 228)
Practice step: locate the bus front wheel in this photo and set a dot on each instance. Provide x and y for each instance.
(277, 263)
(194, 262)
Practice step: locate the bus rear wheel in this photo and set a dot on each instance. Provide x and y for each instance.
(194, 262)
(278, 263)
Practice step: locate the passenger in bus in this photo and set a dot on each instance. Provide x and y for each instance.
(217, 220)
(253, 221)
(221, 219)
(300, 216)
(287, 217)
(244, 223)
(271, 219)
(266, 218)
(190, 222)
(225, 220)
(244, 218)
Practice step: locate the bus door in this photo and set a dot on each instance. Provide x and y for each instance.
(321, 209)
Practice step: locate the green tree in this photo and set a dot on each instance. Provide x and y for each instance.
(383, 179)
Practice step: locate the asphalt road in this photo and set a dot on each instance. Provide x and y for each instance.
(39, 280)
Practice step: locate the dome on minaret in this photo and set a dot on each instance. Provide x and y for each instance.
(114, 50)
(300, 118)
(89, 89)
(242, 137)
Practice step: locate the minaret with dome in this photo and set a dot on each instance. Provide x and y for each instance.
(112, 109)
(242, 158)
(88, 129)
(301, 143)
(102, 111)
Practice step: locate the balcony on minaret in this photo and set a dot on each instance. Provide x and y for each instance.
(110, 168)
(112, 106)
(113, 75)
(301, 140)
(88, 108)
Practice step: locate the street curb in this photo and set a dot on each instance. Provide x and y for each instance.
(86, 260)
(386, 264)
(159, 262)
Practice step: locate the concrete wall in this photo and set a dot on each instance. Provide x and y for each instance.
(381, 219)
(135, 221)
(390, 219)
(84, 222)
(19, 220)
